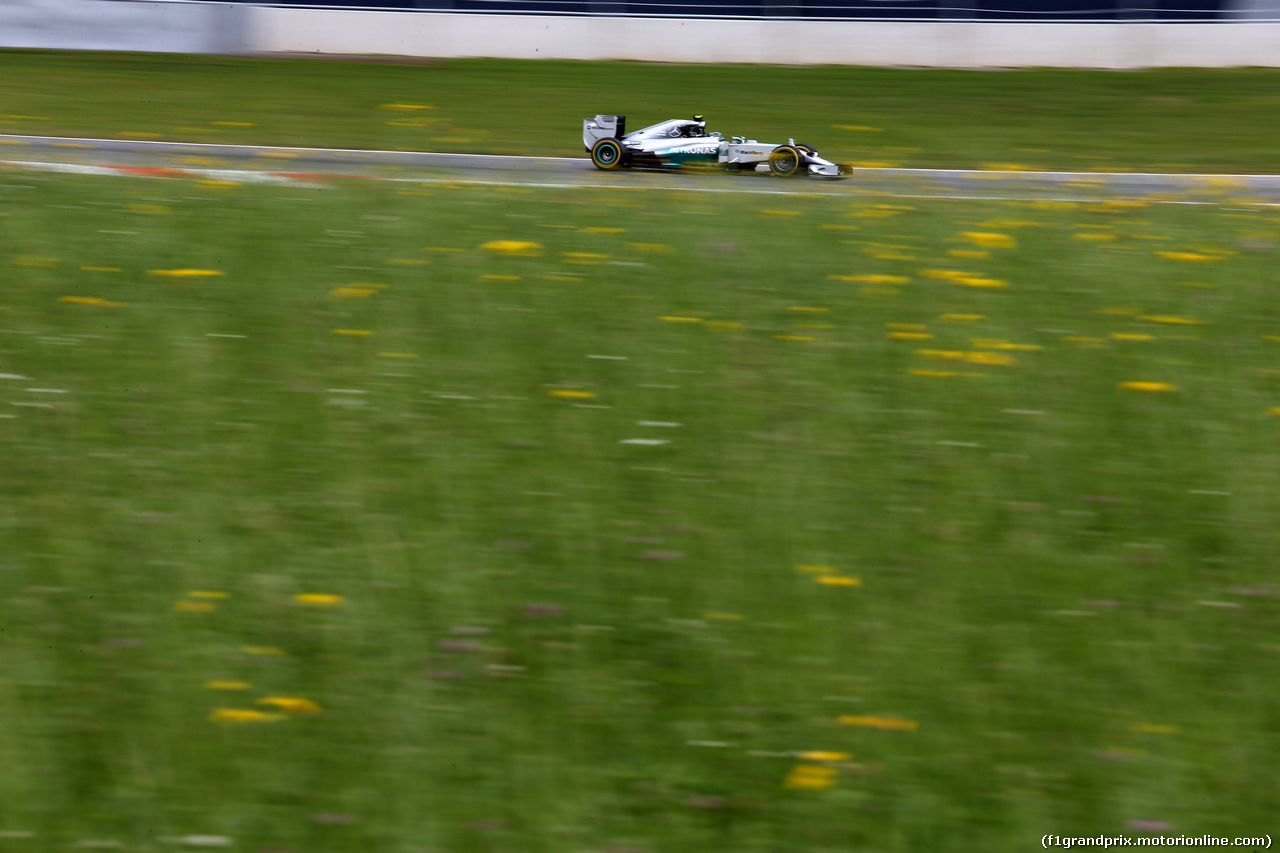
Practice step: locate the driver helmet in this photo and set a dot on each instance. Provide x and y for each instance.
(701, 129)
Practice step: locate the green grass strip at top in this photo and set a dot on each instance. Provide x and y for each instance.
(1178, 120)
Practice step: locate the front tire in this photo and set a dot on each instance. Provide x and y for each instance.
(785, 161)
(606, 154)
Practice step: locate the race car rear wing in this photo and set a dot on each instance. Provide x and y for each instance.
(602, 126)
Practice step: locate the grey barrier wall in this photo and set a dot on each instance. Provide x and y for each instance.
(166, 27)
(190, 26)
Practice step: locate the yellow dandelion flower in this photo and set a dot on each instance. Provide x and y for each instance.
(205, 593)
(993, 343)
(96, 301)
(1171, 321)
(989, 239)
(944, 354)
(354, 333)
(980, 281)
(1274, 410)
(406, 107)
(292, 704)
(1131, 336)
(800, 338)
(1154, 729)
(963, 318)
(675, 319)
(1005, 167)
(194, 606)
(35, 262)
(725, 325)
(837, 580)
(227, 685)
(807, 308)
(397, 355)
(1149, 387)
(513, 247)
(352, 292)
(885, 723)
(972, 254)
(568, 394)
(909, 336)
(820, 755)
(990, 358)
(147, 208)
(234, 123)
(810, 777)
(871, 278)
(497, 277)
(1188, 257)
(945, 275)
(781, 213)
(217, 184)
(100, 269)
(600, 229)
(318, 599)
(186, 273)
(409, 262)
(243, 715)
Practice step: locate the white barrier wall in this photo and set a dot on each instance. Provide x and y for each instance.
(951, 44)
(213, 27)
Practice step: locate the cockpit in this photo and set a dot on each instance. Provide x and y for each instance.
(674, 129)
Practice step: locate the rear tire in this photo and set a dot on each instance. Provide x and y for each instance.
(606, 154)
(785, 161)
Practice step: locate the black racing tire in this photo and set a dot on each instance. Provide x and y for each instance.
(785, 161)
(607, 154)
(808, 149)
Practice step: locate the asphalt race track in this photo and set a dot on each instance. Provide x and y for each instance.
(248, 162)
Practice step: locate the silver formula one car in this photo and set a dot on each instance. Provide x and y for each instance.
(685, 142)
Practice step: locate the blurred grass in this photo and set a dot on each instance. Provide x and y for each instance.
(1167, 120)
(892, 504)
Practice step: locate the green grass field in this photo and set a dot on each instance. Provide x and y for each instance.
(1222, 121)
(430, 518)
